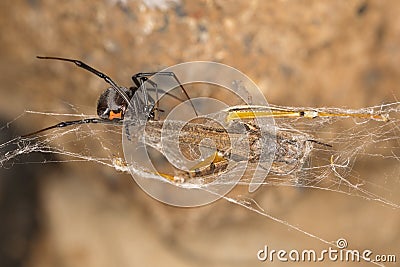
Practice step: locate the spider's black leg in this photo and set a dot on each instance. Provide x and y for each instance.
(163, 93)
(172, 74)
(94, 71)
(319, 143)
(146, 75)
(128, 133)
(166, 93)
(69, 123)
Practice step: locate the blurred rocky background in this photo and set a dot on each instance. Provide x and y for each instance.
(300, 53)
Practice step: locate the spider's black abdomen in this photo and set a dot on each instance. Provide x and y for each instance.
(110, 103)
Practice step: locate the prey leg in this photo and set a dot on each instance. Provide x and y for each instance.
(204, 171)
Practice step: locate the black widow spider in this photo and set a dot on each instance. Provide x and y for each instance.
(114, 101)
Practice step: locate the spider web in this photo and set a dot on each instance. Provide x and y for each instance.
(336, 164)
